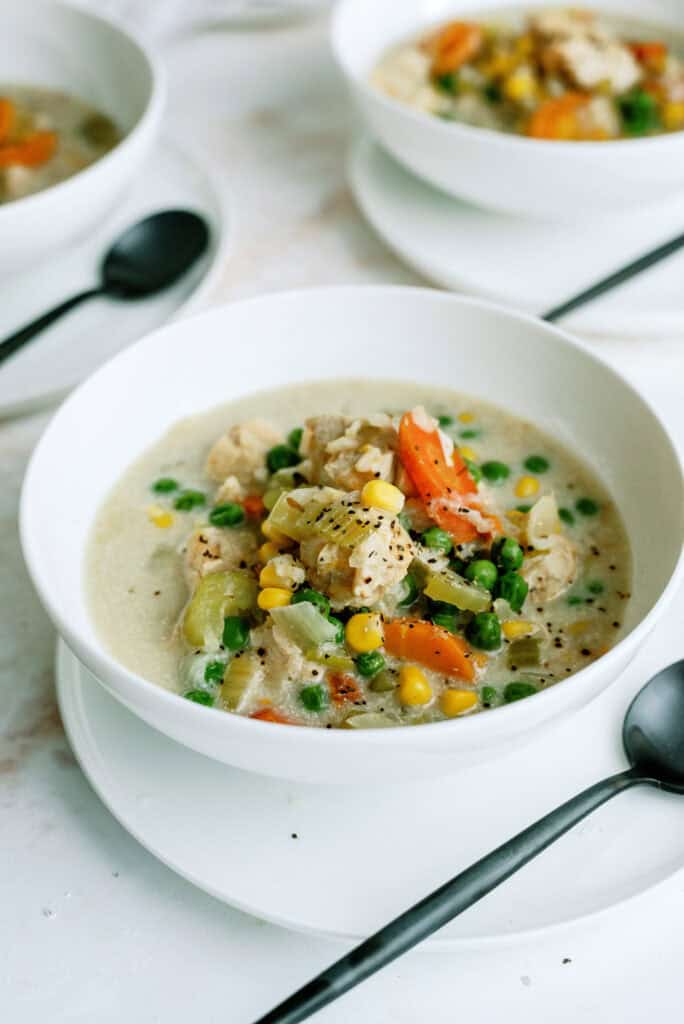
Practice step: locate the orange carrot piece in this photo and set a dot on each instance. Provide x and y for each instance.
(254, 506)
(437, 481)
(430, 646)
(343, 689)
(7, 118)
(269, 715)
(454, 46)
(35, 150)
(557, 119)
(651, 55)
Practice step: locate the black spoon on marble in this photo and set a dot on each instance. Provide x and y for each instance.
(653, 739)
(148, 257)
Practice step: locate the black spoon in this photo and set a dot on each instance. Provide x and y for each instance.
(148, 257)
(653, 738)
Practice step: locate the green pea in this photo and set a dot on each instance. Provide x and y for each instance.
(536, 464)
(164, 485)
(639, 112)
(314, 698)
(586, 507)
(474, 470)
(213, 672)
(492, 92)
(410, 591)
(294, 438)
(230, 514)
(445, 620)
(437, 539)
(188, 500)
(199, 697)
(458, 565)
(370, 664)
(488, 695)
(495, 472)
(507, 554)
(566, 516)
(512, 588)
(484, 631)
(470, 434)
(483, 572)
(281, 457)
(339, 626)
(517, 691)
(574, 599)
(595, 587)
(312, 597)
(235, 633)
(523, 508)
(445, 421)
(448, 83)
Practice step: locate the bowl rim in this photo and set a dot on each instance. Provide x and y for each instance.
(146, 122)
(459, 130)
(488, 725)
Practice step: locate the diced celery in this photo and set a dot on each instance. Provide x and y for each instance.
(217, 595)
(525, 653)
(242, 670)
(449, 587)
(310, 512)
(331, 658)
(384, 682)
(370, 720)
(304, 625)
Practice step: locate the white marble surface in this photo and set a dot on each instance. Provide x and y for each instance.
(92, 928)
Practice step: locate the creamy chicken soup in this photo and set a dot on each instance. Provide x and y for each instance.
(413, 556)
(552, 74)
(47, 136)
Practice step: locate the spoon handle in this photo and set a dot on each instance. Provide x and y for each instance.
(19, 338)
(445, 903)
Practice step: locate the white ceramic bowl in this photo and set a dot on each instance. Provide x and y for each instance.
(532, 369)
(44, 42)
(558, 180)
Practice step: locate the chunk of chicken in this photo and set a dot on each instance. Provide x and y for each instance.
(211, 549)
(241, 453)
(230, 490)
(552, 572)
(346, 453)
(579, 46)
(288, 571)
(281, 660)
(362, 574)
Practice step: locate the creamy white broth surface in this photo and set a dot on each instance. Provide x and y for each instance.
(138, 591)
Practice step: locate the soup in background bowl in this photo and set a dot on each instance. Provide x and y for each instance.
(375, 565)
(496, 364)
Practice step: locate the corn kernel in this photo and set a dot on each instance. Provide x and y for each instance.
(455, 702)
(515, 628)
(268, 551)
(273, 597)
(161, 517)
(673, 116)
(268, 577)
(414, 688)
(520, 86)
(578, 627)
(380, 494)
(466, 417)
(526, 487)
(364, 632)
(467, 453)
(277, 536)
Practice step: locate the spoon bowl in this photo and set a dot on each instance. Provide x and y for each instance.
(653, 730)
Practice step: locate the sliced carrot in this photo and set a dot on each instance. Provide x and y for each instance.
(344, 689)
(254, 506)
(557, 118)
(454, 46)
(35, 150)
(8, 114)
(430, 646)
(269, 715)
(438, 482)
(651, 55)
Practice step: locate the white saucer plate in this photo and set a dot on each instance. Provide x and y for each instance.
(58, 359)
(341, 861)
(529, 265)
